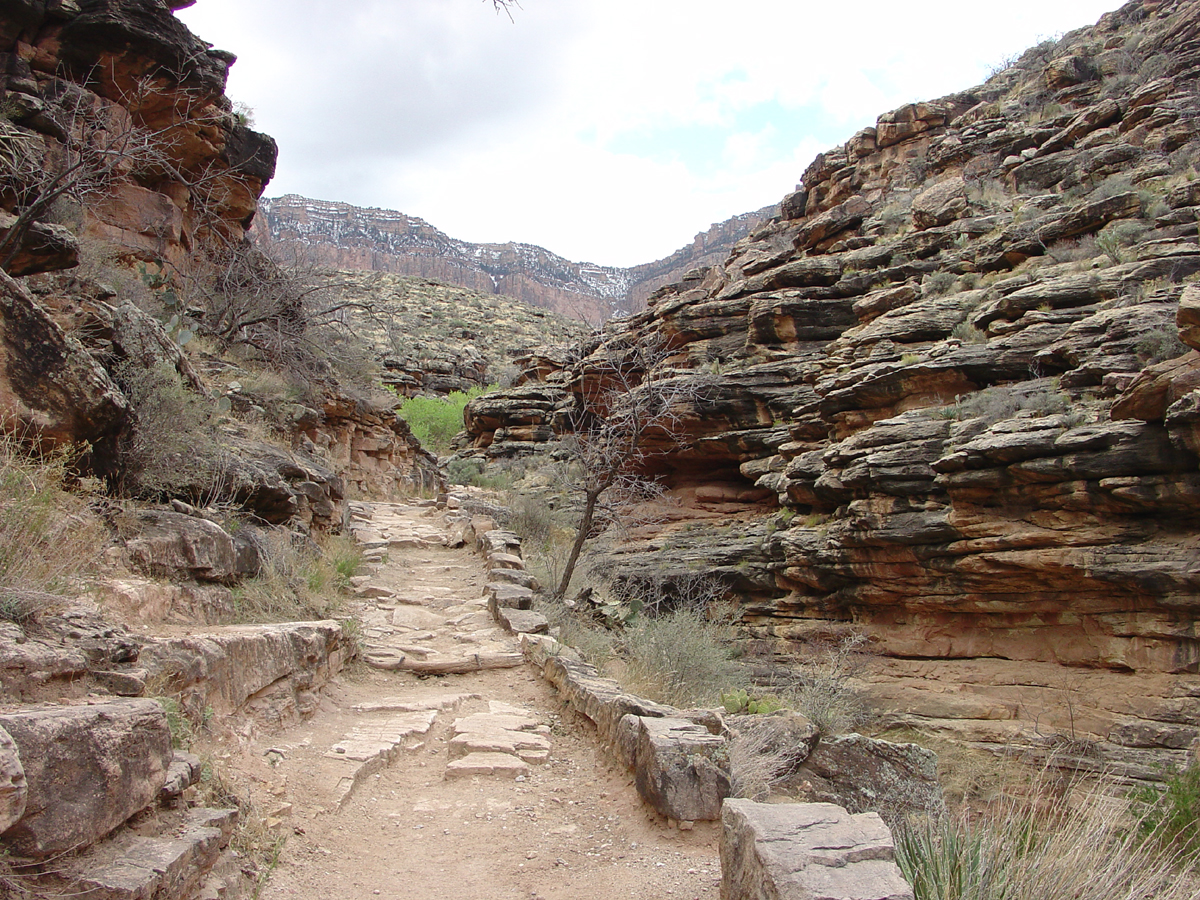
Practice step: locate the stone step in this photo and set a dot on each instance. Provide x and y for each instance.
(415, 704)
(501, 764)
(372, 745)
(168, 866)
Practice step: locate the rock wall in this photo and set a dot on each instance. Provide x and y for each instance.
(382, 240)
(949, 377)
(176, 163)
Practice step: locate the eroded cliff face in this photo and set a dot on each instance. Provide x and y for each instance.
(381, 240)
(129, 78)
(943, 399)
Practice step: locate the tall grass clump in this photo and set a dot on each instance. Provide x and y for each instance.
(1022, 851)
(48, 535)
(1170, 818)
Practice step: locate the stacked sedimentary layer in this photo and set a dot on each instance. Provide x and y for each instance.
(959, 373)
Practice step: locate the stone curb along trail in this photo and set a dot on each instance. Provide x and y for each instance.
(678, 758)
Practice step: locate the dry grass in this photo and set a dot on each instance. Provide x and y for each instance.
(827, 693)
(1052, 844)
(300, 580)
(761, 757)
(253, 837)
(48, 534)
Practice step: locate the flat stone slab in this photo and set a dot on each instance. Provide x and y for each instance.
(371, 746)
(417, 617)
(522, 621)
(415, 704)
(382, 737)
(487, 764)
(800, 851)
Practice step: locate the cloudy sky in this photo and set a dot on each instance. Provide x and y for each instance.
(610, 131)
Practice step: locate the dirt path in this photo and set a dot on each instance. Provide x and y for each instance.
(441, 786)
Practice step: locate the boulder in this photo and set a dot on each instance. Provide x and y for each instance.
(14, 790)
(44, 248)
(940, 204)
(869, 775)
(89, 768)
(678, 766)
(806, 851)
(50, 386)
(179, 546)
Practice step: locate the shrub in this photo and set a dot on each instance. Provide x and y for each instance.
(938, 283)
(681, 658)
(299, 579)
(436, 420)
(1114, 240)
(1170, 818)
(170, 451)
(827, 695)
(1161, 344)
(995, 404)
(1074, 250)
(968, 333)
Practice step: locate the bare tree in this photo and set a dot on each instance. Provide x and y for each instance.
(628, 412)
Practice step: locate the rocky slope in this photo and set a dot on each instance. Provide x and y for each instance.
(942, 398)
(380, 240)
(434, 338)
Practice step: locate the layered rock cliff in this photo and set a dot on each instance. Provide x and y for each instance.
(133, 105)
(942, 398)
(381, 240)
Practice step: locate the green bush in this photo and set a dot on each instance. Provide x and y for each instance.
(436, 420)
(1170, 817)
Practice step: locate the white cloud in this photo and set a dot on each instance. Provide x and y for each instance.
(551, 129)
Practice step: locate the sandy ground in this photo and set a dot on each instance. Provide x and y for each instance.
(573, 827)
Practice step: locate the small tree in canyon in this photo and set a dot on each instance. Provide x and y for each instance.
(627, 414)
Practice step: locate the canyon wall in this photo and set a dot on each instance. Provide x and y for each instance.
(949, 397)
(381, 240)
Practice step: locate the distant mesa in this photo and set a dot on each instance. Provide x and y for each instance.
(383, 240)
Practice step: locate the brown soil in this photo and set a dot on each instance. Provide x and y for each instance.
(573, 827)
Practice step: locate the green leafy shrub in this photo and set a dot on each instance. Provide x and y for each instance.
(436, 420)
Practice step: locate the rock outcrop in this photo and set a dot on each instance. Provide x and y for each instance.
(188, 166)
(383, 240)
(798, 851)
(945, 396)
